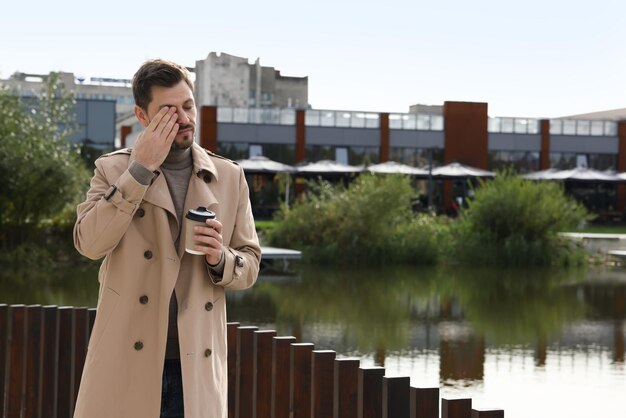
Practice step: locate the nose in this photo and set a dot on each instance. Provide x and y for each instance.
(183, 117)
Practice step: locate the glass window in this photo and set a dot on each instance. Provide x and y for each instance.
(556, 127)
(507, 125)
(569, 127)
(423, 122)
(417, 157)
(341, 155)
(357, 120)
(342, 119)
(363, 155)
(610, 128)
(562, 160)
(409, 121)
(597, 128)
(312, 118)
(395, 121)
(583, 127)
(283, 153)
(255, 150)
(315, 153)
(224, 114)
(327, 118)
(521, 126)
(493, 125)
(518, 161)
(436, 123)
(233, 150)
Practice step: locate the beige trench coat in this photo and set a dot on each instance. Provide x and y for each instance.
(134, 230)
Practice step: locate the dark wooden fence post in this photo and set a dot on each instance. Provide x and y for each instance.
(245, 372)
(456, 408)
(346, 388)
(65, 390)
(4, 343)
(231, 342)
(262, 400)
(49, 368)
(487, 413)
(16, 360)
(424, 403)
(34, 352)
(91, 318)
(81, 336)
(322, 381)
(281, 373)
(396, 400)
(300, 380)
(370, 396)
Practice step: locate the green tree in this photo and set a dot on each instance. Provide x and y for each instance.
(512, 221)
(41, 172)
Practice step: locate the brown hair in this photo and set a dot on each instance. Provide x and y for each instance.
(157, 72)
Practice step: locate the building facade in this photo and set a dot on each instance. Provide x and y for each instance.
(226, 80)
(463, 133)
(94, 89)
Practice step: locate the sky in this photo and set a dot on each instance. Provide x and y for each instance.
(536, 58)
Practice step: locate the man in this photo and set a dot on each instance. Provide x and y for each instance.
(158, 344)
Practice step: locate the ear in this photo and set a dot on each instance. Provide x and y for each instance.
(142, 116)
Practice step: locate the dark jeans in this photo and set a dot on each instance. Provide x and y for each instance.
(172, 392)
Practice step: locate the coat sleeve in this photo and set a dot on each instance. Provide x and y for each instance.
(243, 255)
(105, 215)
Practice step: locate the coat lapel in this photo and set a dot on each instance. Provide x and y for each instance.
(158, 194)
(199, 192)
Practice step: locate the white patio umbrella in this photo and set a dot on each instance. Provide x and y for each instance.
(540, 175)
(576, 174)
(393, 167)
(584, 174)
(260, 164)
(459, 171)
(328, 167)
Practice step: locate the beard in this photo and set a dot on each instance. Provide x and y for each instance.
(184, 140)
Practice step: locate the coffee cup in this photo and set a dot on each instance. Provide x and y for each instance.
(195, 217)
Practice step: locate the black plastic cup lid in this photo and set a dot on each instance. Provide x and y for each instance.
(200, 214)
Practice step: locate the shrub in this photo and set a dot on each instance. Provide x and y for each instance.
(513, 221)
(369, 222)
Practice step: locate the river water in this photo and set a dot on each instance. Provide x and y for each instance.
(536, 343)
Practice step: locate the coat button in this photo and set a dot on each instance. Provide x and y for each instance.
(143, 299)
(207, 352)
(141, 212)
(207, 178)
(208, 306)
(147, 254)
(138, 345)
(239, 261)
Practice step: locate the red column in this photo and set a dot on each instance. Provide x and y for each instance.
(300, 148)
(544, 154)
(300, 136)
(621, 164)
(384, 137)
(125, 131)
(466, 138)
(208, 128)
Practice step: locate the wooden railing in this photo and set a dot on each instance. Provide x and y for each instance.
(44, 350)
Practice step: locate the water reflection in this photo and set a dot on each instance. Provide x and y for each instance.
(458, 313)
(500, 337)
(72, 284)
